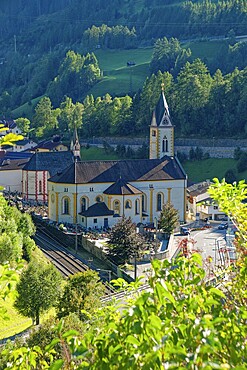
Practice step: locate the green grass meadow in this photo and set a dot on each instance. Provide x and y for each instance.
(26, 110)
(204, 49)
(197, 171)
(118, 79)
(209, 168)
(14, 322)
(94, 153)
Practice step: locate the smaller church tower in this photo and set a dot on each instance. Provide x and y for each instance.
(75, 145)
(161, 140)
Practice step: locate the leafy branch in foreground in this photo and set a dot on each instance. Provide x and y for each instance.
(180, 322)
(232, 199)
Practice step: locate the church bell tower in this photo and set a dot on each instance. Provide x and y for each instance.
(75, 145)
(161, 140)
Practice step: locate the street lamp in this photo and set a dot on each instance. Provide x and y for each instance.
(135, 267)
(156, 240)
(109, 273)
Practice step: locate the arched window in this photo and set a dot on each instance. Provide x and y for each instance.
(165, 145)
(128, 204)
(116, 206)
(40, 186)
(84, 204)
(159, 201)
(99, 199)
(137, 206)
(144, 202)
(65, 203)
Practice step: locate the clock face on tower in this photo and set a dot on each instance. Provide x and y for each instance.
(52, 198)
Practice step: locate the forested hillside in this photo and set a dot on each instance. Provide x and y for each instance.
(66, 19)
(49, 48)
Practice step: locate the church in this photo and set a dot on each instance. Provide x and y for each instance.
(95, 194)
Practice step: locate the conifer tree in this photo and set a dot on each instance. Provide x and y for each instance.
(169, 218)
(124, 242)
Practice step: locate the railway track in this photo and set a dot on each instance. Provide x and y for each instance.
(63, 259)
(66, 262)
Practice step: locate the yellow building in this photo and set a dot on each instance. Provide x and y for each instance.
(96, 193)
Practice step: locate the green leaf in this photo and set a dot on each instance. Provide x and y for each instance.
(56, 365)
(169, 296)
(217, 292)
(155, 322)
(112, 349)
(70, 333)
(52, 344)
(197, 258)
(132, 340)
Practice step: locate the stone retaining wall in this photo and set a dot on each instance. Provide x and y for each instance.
(216, 152)
(217, 148)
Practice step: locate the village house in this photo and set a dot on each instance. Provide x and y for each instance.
(200, 204)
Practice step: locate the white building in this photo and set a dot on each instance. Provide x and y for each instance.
(22, 145)
(96, 193)
(11, 127)
(11, 174)
(200, 203)
(39, 169)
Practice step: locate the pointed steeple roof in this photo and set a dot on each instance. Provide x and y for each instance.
(75, 139)
(161, 112)
(75, 146)
(153, 122)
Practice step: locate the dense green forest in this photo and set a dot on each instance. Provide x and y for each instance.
(48, 51)
(202, 104)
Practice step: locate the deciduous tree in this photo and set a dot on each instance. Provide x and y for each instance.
(38, 290)
(81, 294)
(180, 322)
(23, 124)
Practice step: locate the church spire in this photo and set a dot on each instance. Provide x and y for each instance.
(161, 130)
(75, 145)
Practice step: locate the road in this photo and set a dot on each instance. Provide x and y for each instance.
(206, 242)
(211, 244)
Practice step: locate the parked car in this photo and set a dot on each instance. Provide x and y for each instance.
(185, 230)
(223, 226)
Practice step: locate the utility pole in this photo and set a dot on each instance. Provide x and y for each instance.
(76, 238)
(76, 229)
(109, 273)
(135, 267)
(156, 234)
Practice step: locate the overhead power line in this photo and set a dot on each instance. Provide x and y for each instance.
(126, 23)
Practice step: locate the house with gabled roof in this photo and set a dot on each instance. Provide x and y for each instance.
(11, 165)
(11, 127)
(22, 145)
(11, 174)
(51, 145)
(40, 167)
(201, 205)
(96, 193)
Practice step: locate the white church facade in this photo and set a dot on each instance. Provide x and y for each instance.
(95, 194)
